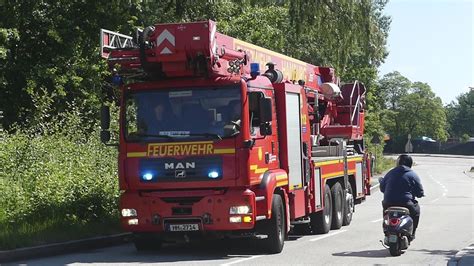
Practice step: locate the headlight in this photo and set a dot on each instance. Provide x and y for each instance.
(133, 222)
(235, 219)
(129, 212)
(240, 209)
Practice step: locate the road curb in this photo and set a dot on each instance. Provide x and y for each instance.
(469, 174)
(454, 156)
(63, 248)
(464, 257)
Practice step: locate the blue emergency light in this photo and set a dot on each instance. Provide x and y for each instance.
(254, 69)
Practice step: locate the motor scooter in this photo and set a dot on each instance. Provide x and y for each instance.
(398, 229)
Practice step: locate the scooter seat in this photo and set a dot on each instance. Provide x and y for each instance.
(402, 210)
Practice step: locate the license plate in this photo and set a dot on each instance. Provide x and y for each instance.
(183, 227)
(392, 239)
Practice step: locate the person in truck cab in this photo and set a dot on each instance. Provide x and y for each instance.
(400, 187)
(163, 117)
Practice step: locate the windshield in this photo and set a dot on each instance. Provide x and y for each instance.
(183, 113)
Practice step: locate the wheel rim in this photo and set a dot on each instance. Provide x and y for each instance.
(350, 205)
(327, 210)
(339, 207)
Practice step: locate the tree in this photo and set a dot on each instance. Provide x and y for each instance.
(392, 87)
(410, 108)
(461, 115)
(54, 61)
(421, 113)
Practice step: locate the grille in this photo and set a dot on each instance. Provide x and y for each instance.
(182, 211)
(182, 200)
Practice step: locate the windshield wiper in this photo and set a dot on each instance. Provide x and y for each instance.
(152, 136)
(215, 136)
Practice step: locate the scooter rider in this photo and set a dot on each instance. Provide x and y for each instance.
(400, 187)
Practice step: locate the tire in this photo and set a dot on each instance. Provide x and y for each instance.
(146, 242)
(321, 221)
(338, 199)
(275, 227)
(348, 208)
(395, 248)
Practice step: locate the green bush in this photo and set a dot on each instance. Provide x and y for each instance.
(55, 181)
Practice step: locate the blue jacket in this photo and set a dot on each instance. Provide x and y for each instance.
(401, 185)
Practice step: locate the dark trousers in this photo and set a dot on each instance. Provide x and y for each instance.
(413, 207)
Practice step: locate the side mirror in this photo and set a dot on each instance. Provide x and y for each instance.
(105, 136)
(230, 130)
(105, 124)
(105, 117)
(265, 110)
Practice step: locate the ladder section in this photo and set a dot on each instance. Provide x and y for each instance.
(110, 40)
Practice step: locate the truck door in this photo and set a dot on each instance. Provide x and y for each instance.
(294, 140)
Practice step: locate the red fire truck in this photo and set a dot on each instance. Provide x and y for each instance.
(211, 146)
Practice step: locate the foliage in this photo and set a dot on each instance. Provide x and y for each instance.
(461, 115)
(53, 58)
(57, 180)
(411, 108)
(384, 164)
(392, 87)
(464, 138)
(421, 113)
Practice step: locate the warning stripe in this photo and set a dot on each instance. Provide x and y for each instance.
(257, 170)
(336, 174)
(224, 151)
(358, 159)
(136, 154)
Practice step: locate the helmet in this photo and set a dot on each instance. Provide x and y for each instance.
(405, 159)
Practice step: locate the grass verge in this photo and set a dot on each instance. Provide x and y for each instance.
(54, 230)
(383, 164)
(56, 187)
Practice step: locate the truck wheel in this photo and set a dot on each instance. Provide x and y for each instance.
(321, 221)
(338, 199)
(348, 207)
(275, 227)
(146, 241)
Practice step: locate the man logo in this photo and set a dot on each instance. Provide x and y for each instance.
(176, 166)
(180, 173)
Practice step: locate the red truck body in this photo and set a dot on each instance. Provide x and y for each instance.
(292, 158)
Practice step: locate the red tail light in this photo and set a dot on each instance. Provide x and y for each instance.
(394, 221)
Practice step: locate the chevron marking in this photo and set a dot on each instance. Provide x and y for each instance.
(165, 35)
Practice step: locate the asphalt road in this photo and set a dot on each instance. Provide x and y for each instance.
(446, 226)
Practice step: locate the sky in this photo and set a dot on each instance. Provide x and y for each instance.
(432, 41)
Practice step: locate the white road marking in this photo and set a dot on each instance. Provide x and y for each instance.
(328, 235)
(445, 190)
(375, 186)
(378, 220)
(435, 200)
(242, 260)
(259, 256)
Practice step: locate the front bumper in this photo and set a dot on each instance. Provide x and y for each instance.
(161, 211)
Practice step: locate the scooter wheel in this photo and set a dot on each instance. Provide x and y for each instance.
(395, 248)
